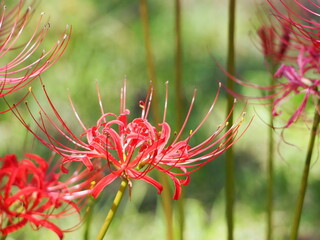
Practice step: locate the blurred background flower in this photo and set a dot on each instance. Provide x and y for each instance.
(33, 193)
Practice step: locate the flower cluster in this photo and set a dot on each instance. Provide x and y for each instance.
(22, 69)
(31, 192)
(131, 149)
(115, 147)
(274, 41)
(299, 17)
(295, 56)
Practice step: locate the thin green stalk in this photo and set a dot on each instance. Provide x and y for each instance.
(112, 210)
(270, 171)
(167, 204)
(270, 180)
(166, 194)
(149, 56)
(89, 214)
(229, 153)
(304, 180)
(179, 102)
(3, 237)
(178, 64)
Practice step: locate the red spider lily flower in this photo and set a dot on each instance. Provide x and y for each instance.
(29, 192)
(291, 81)
(278, 41)
(301, 16)
(297, 83)
(132, 149)
(294, 74)
(274, 42)
(17, 73)
(274, 37)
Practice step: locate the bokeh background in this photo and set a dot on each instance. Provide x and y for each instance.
(107, 46)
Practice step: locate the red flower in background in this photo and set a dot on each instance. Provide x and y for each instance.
(274, 42)
(291, 81)
(300, 17)
(26, 64)
(298, 83)
(132, 149)
(29, 192)
(295, 55)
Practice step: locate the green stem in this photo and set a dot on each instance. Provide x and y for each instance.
(304, 181)
(150, 61)
(112, 210)
(3, 237)
(88, 219)
(270, 172)
(270, 182)
(166, 195)
(178, 64)
(167, 204)
(179, 102)
(229, 153)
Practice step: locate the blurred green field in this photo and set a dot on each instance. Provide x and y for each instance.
(107, 46)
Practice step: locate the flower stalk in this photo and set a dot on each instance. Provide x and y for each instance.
(229, 153)
(304, 181)
(165, 197)
(179, 102)
(270, 172)
(89, 214)
(113, 209)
